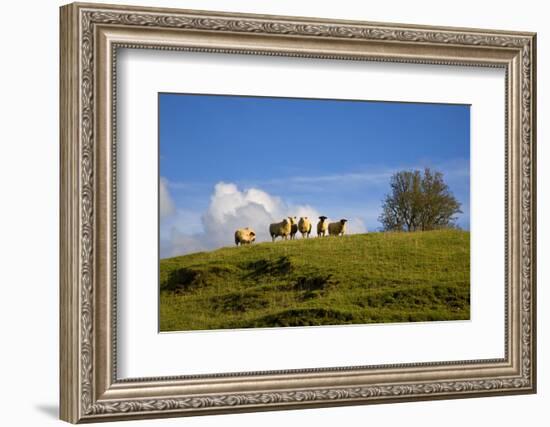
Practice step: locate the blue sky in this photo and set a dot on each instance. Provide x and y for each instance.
(333, 156)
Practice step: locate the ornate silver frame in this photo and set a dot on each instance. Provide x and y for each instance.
(90, 36)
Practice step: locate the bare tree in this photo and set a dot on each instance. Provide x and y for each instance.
(418, 202)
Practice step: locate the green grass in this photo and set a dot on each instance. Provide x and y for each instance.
(363, 278)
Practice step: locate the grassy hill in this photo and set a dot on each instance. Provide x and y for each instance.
(364, 278)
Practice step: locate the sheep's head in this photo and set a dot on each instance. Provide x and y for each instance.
(292, 219)
(252, 236)
(343, 221)
(323, 218)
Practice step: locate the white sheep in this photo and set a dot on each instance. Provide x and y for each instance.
(282, 229)
(322, 226)
(304, 226)
(337, 228)
(293, 227)
(244, 236)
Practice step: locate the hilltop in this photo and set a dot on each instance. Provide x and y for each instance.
(362, 278)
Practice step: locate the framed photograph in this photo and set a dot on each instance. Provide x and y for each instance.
(266, 212)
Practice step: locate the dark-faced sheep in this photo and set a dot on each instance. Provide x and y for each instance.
(244, 236)
(322, 226)
(282, 229)
(304, 226)
(337, 228)
(293, 227)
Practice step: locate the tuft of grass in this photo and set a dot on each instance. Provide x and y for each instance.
(356, 279)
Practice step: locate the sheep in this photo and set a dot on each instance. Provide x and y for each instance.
(337, 228)
(293, 227)
(282, 229)
(322, 226)
(304, 226)
(244, 236)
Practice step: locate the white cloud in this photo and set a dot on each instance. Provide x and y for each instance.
(184, 231)
(356, 226)
(179, 243)
(374, 177)
(166, 204)
(230, 208)
(342, 179)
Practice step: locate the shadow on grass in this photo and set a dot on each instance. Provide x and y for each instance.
(191, 278)
(263, 267)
